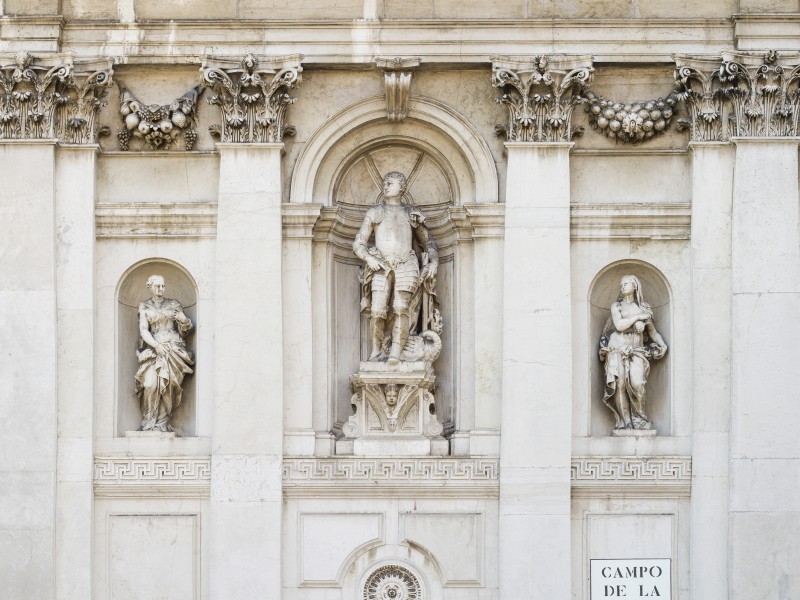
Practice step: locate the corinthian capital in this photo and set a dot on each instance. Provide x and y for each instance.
(252, 95)
(540, 93)
(703, 89)
(763, 89)
(51, 98)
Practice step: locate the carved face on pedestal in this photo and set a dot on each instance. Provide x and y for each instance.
(391, 394)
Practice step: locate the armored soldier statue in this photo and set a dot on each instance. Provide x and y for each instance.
(399, 273)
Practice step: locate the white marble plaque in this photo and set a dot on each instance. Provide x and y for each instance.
(630, 578)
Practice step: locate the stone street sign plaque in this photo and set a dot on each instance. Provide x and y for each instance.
(632, 579)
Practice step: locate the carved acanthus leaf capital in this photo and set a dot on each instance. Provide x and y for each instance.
(704, 94)
(752, 94)
(540, 93)
(253, 95)
(52, 97)
(763, 89)
(397, 74)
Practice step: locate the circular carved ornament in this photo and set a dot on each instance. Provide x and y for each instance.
(392, 582)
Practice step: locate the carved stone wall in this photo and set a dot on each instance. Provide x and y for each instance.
(248, 142)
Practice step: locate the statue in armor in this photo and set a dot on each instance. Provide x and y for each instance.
(398, 276)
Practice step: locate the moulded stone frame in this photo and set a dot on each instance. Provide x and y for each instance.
(313, 184)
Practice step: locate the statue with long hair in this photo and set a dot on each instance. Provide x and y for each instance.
(628, 342)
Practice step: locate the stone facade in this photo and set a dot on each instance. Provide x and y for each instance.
(234, 147)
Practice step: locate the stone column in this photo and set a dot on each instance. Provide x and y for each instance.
(712, 181)
(245, 508)
(298, 225)
(75, 241)
(535, 445)
(28, 368)
(487, 224)
(765, 420)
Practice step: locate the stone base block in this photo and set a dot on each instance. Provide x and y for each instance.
(634, 433)
(151, 435)
(392, 446)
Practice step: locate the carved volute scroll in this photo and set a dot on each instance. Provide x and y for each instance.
(540, 93)
(253, 96)
(159, 126)
(52, 98)
(397, 74)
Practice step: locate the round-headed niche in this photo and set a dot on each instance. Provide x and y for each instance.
(604, 292)
(132, 290)
(433, 187)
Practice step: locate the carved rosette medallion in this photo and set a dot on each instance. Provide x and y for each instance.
(159, 126)
(392, 582)
(540, 93)
(52, 98)
(253, 96)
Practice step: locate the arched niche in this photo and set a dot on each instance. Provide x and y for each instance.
(132, 290)
(432, 186)
(341, 167)
(429, 123)
(603, 293)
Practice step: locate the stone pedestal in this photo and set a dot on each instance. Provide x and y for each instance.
(394, 412)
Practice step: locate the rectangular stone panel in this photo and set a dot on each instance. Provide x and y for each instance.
(457, 541)
(327, 540)
(153, 556)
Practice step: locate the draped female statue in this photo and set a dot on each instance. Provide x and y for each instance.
(628, 342)
(163, 358)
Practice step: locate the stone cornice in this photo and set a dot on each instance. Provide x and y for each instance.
(630, 221)
(757, 31)
(455, 42)
(149, 219)
(174, 477)
(391, 477)
(631, 476)
(299, 220)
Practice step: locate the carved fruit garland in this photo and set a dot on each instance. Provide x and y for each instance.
(631, 123)
(159, 126)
